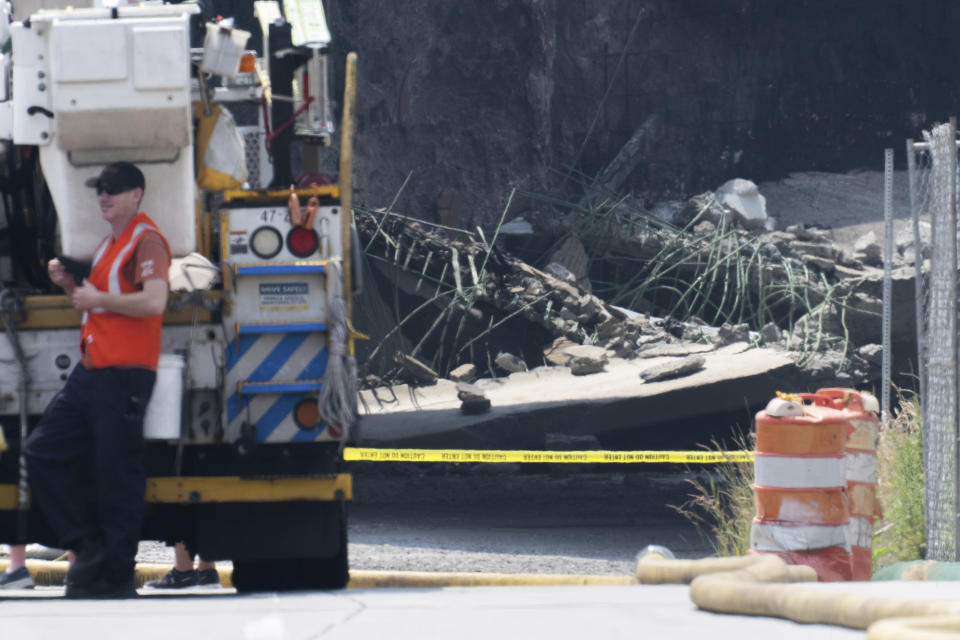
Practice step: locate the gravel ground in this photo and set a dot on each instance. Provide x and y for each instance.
(559, 521)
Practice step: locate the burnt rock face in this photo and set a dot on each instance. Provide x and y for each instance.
(475, 98)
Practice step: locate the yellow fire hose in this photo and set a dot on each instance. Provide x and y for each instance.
(758, 586)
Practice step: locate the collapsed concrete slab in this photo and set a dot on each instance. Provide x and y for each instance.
(527, 406)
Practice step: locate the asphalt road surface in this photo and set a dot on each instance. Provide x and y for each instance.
(516, 519)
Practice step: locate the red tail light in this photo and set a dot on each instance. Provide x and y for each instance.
(302, 242)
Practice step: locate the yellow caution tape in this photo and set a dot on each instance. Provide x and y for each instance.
(511, 455)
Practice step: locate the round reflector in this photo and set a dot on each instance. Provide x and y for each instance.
(266, 242)
(306, 414)
(302, 242)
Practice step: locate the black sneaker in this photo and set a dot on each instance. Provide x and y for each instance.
(19, 579)
(208, 578)
(175, 580)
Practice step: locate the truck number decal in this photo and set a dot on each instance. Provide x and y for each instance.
(273, 216)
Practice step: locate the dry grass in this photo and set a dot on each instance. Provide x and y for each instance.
(722, 506)
(901, 531)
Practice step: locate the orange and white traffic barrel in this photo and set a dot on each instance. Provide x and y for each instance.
(860, 409)
(800, 485)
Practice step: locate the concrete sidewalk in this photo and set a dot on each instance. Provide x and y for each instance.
(558, 613)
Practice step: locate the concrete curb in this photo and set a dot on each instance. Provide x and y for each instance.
(51, 573)
(360, 579)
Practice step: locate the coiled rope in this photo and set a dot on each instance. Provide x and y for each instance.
(337, 401)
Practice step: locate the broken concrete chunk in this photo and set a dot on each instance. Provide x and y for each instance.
(827, 251)
(608, 328)
(415, 368)
(475, 407)
(586, 359)
(472, 398)
(822, 264)
(464, 373)
(670, 370)
(847, 272)
(560, 272)
(693, 333)
(510, 362)
(770, 251)
(517, 227)
(730, 333)
(585, 351)
(532, 286)
(654, 337)
(705, 228)
(864, 241)
(467, 392)
(589, 305)
(810, 234)
(872, 353)
(674, 350)
(582, 366)
(868, 250)
(770, 333)
(554, 354)
(743, 197)
(704, 206)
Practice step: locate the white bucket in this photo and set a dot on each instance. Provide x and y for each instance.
(162, 420)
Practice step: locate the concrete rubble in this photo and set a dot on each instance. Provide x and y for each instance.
(585, 338)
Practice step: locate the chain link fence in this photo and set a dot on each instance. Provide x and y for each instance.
(932, 169)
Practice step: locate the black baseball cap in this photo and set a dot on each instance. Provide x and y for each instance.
(118, 177)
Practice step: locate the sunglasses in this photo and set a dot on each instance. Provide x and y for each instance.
(112, 190)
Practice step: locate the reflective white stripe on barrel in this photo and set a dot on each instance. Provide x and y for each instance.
(799, 472)
(860, 532)
(861, 467)
(775, 537)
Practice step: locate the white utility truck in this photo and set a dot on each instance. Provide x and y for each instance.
(256, 389)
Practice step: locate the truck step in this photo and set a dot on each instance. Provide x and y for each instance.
(306, 266)
(278, 386)
(281, 327)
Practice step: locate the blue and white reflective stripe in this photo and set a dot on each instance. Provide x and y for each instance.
(266, 369)
(283, 406)
(290, 364)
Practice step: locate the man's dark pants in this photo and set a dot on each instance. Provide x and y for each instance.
(86, 469)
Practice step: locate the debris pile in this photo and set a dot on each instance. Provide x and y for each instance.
(478, 311)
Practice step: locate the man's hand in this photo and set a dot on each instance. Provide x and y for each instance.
(86, 296)
(60, 277)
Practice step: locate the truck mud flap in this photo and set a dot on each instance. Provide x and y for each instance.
(263, 531)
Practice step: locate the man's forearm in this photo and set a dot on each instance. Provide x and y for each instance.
(150, 301)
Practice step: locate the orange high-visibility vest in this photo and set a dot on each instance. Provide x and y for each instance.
(111, 339)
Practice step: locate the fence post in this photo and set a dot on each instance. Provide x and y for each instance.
(918, 286)
(885, 377)
(940, 403)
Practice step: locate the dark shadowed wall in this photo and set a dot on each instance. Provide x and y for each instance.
(472, 99)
